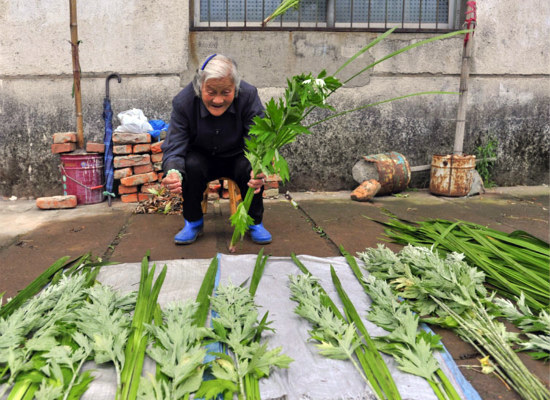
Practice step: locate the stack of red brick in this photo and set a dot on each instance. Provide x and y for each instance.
(137, 164)
(65, 142)
(271, 188)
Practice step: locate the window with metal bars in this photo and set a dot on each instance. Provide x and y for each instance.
(406, 15)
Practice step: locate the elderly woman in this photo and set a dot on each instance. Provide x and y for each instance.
(210, 120)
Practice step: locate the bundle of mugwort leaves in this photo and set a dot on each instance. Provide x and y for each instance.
(282, 122)
(138, 338)
(339, 337)
(178, 337)
(46, 339)
(411, 347)
(516, 264)
(42, 349)
(236, 326)
(452, 294)
(536, 326)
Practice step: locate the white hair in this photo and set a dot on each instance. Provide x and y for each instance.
(216, 67)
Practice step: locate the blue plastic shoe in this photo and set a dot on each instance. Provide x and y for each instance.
(190, 232)
(259, 234)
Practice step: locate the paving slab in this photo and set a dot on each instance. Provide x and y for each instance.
(32, 239)
(347, 222)
(503, 213)
(33, 252)
(291, 230)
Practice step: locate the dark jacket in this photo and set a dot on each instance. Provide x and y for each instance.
(192, 127)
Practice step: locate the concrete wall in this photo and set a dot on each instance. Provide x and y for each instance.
(151, 46)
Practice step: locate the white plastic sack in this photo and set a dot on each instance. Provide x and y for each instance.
(133, 121)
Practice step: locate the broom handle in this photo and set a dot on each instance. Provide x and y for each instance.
(76, 76)
(464, 75)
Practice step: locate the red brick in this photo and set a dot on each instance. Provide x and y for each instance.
(141, 148)
(129, 198)
(56, 202)
(131, 138)
(127, 189)
(63, 148)
(155, 147)
(157, 157)
(135, 180)
(273, 178)
(160, 176)
(64, 137)
(157, 166)
(143, 169)
(144, 196)
(132, 160)
(122, 173)
(123, 149)
(145, 188)
(366, 191)
(95, 147)
(214, 186)
(271, 184)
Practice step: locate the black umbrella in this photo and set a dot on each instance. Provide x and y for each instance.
(108, 140)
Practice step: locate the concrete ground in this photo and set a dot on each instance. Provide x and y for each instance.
(32, 239)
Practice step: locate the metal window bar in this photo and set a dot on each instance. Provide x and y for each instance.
(436, 13)
(403, 14)
(420, 16)
(362, 15)
(369, 14)
(351, 14)
(317, 14)
(330, 13)
(386, 15)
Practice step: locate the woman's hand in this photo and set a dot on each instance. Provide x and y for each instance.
(172, 182)
(256, 182)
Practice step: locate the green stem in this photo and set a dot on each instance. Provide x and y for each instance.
(117, 372)
(416, 44)
(252, 387)
(379, 367)
(363, 376)
(449, 388)
(369, 368)
(75, 373)
(375, 104)
(3, 372)
(440, 395)
(364, 49)
(7, 385)
(246, 204)
(21, 390)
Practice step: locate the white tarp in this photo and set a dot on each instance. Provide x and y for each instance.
(310, 376)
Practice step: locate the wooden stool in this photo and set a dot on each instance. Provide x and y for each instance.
(234, 196)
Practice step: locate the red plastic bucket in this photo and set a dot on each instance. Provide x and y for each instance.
(83, 177)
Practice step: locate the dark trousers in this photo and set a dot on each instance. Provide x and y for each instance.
(201, 169)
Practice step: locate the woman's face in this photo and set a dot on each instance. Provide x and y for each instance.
(218, 94)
